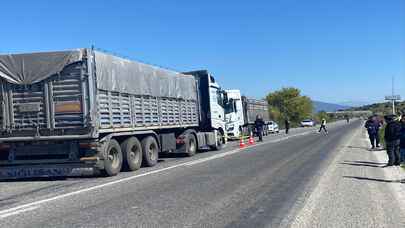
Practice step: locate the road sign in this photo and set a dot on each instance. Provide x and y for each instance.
(393, 98)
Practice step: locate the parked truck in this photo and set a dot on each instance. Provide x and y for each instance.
(67, 110)
(241, 113)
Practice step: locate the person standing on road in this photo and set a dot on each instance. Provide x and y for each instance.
(402, 140)
(392, 140)
(323, 126)
(259, 124)
(287, 126)
(379, 122)
(373, 127)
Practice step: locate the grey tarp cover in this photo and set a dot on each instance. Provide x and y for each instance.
(256, 107)
(121, 75)
(30, 68)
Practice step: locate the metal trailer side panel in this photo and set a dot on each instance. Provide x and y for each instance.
(135, 96)
(128, 112)
(254, 107)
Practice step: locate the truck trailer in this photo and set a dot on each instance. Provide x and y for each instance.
(67, 110)
(241, 113)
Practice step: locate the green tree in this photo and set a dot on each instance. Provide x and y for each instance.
(322, 115)
(275, 114)
(289, 103)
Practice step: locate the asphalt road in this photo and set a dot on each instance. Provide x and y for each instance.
(259, 186)
(356, 191)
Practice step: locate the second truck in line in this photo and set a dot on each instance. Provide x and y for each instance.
(241, 113)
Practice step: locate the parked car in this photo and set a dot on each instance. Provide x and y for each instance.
(273, 127)
(307, 123)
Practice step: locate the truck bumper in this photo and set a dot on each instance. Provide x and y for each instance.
(232, 134)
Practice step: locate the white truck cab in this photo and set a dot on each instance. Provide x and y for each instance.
(234, 114)
(217, 103)
(213, 101)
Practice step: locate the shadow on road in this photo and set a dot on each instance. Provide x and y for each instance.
(366, 148)
(357, 164)
(374, 179)
(36, 179)
(368, 162)
(364, 163)
(358, 147)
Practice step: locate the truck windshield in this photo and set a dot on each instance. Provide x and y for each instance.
(230, 106)
(222, 98)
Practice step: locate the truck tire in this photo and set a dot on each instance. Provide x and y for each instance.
(150, 151)
(113, 161)
(191, 145)
(220, 141)
(132, 153)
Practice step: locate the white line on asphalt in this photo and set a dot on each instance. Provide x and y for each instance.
(191, 163)
(16, 212)
(36, 204)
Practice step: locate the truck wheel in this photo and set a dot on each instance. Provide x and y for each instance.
(132, 152)
(191, 145)
(150, 150)
(220, 141)
(113, 161)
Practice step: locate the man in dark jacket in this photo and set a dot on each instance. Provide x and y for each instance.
(373, 127)
(287, 126)
(402, 138)
(259, 123)
(392, 139)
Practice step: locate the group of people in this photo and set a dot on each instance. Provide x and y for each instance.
(259, 125)
(394, 137)
(322, 128)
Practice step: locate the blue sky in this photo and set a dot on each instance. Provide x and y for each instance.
(336, 51)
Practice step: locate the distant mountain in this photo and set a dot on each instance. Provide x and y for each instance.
(354, 103)
(328, 107)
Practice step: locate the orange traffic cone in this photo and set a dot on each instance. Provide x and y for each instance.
(241, 143)
(251, 140)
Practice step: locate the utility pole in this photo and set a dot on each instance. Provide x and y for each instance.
(393, 90)
(393, 97)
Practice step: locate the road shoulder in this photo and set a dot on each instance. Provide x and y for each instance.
(355, 191)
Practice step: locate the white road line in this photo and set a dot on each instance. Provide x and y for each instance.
(36, 204)
(212, 157)
(16, 212)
